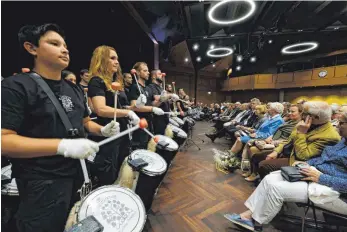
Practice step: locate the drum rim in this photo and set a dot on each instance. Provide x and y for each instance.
(181, 131)
(137, 199)
(174, 142)
(9, 189)
(149, 172)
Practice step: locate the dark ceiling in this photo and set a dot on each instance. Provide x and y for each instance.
(282, 22)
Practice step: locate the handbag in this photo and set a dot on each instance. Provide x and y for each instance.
(291, 173)
(262, 145)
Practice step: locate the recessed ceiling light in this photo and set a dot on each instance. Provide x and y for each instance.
(195, 47)
(251, 3)
(311, 46)
(300, 30)
(209, 93)
(239, 58)
(232, 35)
(228, 51)
(212, 46)
(238, 68)
(270, 41)
(205, 37)
(336, 28)
(253, 59)
(198, 59)
(288, 40)
(186, 60)
(213, 65)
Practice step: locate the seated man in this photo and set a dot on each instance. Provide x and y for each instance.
(307, 140)
(329, 169)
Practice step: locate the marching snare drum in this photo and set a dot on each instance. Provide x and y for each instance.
(179, 121)
(173, 122)
(10, 200)
(166, 148)
(116, 208)
(179, 135)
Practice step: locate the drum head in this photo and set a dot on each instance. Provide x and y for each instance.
(172, 145)
(117, 209)
(179, 132)
(156, 164)
(10, 188)
(178, 120)
(173, 122)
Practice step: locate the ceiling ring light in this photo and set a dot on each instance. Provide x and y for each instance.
(224, 22)
(311, 46)
(228, 51)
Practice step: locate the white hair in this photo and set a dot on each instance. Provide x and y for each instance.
(343, 112)
(320, 109)
(276, 106)
(335, 107)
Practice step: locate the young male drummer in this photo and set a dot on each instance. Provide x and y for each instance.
(160, 99)
(140, 137)
(44, 158)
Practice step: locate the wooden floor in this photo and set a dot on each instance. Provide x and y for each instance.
(194, 196)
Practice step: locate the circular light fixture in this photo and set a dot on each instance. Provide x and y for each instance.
(186, 60)
(238, 68)
(311, 46)
(209, 93)
(198, 59)
(213, 9)
(211, 46)
(270, 41)
(195, 47)
(239, 58)
(213, 65)
(228, 51)
(253, 59)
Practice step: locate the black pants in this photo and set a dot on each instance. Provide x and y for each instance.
(105, 166)
(159, 125)
(45, 204)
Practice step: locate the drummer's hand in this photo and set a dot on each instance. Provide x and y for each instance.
(77, 148)
(141, 101)
(157, 111)
(182, 113)
(134, 119)
(175, 97)
(110, 129)
(173, 114)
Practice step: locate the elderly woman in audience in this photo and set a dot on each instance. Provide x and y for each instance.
(335, 109)
(286, 106)
(307, 140)
(281, 135)
(329, 169)
(265, 130)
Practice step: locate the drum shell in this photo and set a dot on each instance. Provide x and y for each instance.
(178, 139)
(9, 207)
(146, 188)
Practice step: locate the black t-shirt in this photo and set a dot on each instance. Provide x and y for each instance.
(134, 93)
(97, 87)
(152, 90)
(27, 109)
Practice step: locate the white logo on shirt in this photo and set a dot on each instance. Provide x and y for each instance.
(67, 103)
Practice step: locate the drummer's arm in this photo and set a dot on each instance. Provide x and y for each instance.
(17, 146)
(102, 110)
(179, 106)
(91, 126)
(143, 109)
(156, 101)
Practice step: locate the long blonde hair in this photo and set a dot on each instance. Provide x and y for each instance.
(99, 64)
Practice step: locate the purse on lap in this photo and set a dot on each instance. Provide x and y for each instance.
(291, 173)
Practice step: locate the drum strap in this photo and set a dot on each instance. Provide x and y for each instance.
(86, 187)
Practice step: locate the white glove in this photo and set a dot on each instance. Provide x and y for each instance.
(89, 110)
(174, 114)
(163, 97)
(134, 119)
(141, 101)
(157, 111)
(110, 129)
(175, 97)
(77, 148)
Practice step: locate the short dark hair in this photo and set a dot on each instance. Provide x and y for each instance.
(83, 71)
(33, 34)
(66, 73)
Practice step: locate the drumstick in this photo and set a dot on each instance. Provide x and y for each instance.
(143, 124)
(85, 172)
(156, 139)
(116, 87)
(164, 75)
(133, 71)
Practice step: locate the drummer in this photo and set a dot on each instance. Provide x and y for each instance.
(180, 105)
(138, 98)
(159, 98)
(44, 157)
(105, 69)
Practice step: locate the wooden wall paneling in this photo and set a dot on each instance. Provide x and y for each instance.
(233, 83)
(341, 71)
(264, 81)
(302, 76)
